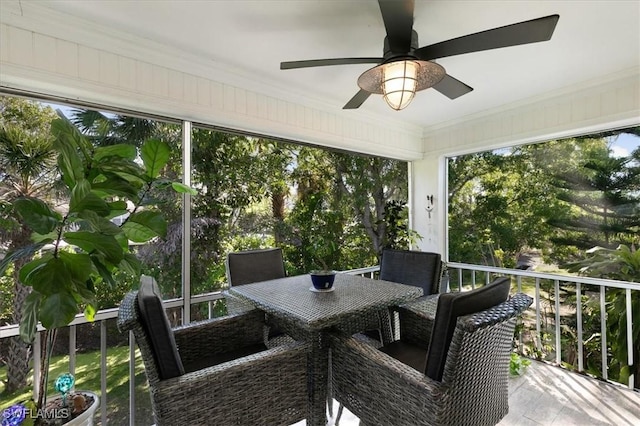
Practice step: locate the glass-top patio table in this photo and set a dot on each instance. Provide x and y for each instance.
(305, 314)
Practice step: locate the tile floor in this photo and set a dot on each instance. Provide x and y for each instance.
(547, 395)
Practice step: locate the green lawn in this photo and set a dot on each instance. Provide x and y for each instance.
(88, 378)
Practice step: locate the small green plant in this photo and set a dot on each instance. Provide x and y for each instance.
(518, 365)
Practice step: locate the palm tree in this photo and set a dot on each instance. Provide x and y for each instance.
(110, 129)
(27, 161)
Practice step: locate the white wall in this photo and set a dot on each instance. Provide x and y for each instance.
(427, 218)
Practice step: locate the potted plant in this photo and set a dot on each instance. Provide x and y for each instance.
(323, 249)
(78, 248)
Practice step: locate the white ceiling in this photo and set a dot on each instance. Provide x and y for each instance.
(593, 40)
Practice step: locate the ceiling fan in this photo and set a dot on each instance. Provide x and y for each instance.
(406, 68)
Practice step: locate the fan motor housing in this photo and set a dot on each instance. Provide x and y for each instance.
(387, 53)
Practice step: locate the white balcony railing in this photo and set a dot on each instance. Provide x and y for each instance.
(464, 275)
(460, 277)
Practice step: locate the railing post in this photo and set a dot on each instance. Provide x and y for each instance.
(132, 380)
(519, 281)
(103, 371)
(579, 324)
(72, 350)
(557, 305)
(603, 332)
(538, 331)
(630, 359)
(186, 223)
(37, 349)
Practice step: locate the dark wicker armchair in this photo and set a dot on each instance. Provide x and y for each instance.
(432, 380)
(216, 371)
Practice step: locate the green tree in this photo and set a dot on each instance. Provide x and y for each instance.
(27, 160)
(466, 232)
(498, 206)
(280, 158)
(368, 184)
(604, 193)
(104, 129)
(314, 229)
(398, 234)
(232, 173)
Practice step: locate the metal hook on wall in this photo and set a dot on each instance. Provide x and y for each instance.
(430, 205)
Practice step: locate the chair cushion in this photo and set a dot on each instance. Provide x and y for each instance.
(407, 353)
(450, 307)
(159, 330)
(416, 268)
(216, 359)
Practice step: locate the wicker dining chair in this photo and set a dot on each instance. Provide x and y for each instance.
(216, 371)
(411, 267)
(251, 266)
(417, 268)
(457, 375)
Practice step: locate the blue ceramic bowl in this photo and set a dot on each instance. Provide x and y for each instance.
(322, 280)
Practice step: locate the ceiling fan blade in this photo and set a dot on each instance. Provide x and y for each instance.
(357, 100)
(451, 87)
(532, 31)
(398, 21)
(325, 62)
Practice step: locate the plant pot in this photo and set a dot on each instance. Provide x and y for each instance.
(322, 279)
(85, 418)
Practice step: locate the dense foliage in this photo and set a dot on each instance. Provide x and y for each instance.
(251, 193)
(559, 197)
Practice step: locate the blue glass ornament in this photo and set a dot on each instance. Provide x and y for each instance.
(64, 383)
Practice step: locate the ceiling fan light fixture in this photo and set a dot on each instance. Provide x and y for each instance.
(400, 79)
(399, 83)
